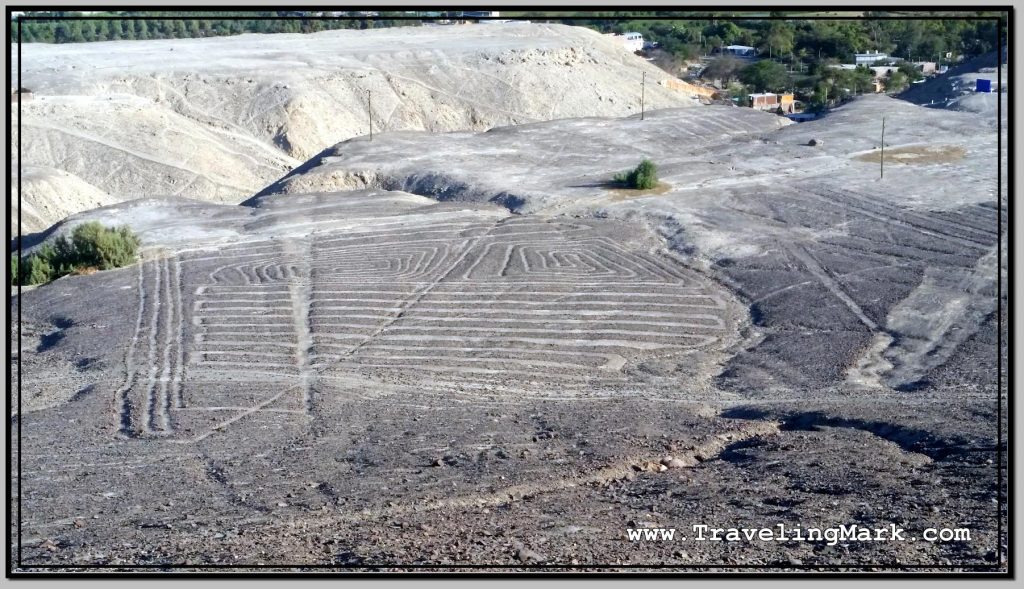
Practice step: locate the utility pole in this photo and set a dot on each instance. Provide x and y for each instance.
(643, 83)
(369, 113)
(881, 160)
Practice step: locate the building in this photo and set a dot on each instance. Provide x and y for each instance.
(631, 41)
(926, 67)
(869, 57)
(740, 50)
(763, 101)
(787, 102)
(771, 102)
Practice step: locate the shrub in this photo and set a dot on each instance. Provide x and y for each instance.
(91, 246)
(643, 177)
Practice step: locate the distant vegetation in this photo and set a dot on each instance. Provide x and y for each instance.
(91, 247)
(173, 26)
(642, 177)
(686, 34)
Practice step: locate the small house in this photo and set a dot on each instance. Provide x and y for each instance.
(770, 101)
(764, 101)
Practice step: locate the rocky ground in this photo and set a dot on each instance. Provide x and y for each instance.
(440, 350)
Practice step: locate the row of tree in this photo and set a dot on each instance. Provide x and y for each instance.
(811, 40)
(69, 29)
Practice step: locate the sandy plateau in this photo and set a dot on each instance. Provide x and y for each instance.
(467, 347)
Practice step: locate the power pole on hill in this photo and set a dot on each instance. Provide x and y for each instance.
(881, 160)
(643, 83)
(369, 113)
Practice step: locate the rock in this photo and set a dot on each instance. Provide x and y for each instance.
(648, 466)
(680, 462)
(796, 562)
(437, 462)
(526, 555)
(282, 504)
(815, 143)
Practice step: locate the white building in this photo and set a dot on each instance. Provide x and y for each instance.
(869, 58)
(631, 41)
(634, 42)
(741, 50)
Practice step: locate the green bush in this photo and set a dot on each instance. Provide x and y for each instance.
(91, 245)
(643, 177)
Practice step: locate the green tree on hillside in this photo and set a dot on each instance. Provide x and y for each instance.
(765, 75)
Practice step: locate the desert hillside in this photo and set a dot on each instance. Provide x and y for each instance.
(220, 118)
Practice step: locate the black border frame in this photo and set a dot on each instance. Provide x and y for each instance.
(989, 571)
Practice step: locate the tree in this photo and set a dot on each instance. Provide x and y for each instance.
(96, 246)
(668, 61)
(779, 39)
(723, 68)
(895, 81)
(113, 30)
(910, 71)
(75, 28)
(90, 245)
(643, 177)
(765, 75)
(62, 34)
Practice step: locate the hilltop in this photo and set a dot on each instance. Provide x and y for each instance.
(220, 118)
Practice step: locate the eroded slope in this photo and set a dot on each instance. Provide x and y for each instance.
(220, 118)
